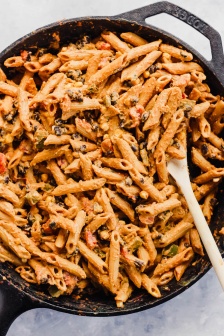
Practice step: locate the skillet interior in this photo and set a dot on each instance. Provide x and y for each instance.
(98, 303)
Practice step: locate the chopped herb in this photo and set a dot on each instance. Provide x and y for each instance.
(170, 251)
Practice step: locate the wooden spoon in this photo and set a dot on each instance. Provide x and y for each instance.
(179, 170)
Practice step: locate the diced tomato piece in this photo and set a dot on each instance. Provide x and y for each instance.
(147, 219)
(25, 55)
(3, 163)
(101, 45)
(90, 239)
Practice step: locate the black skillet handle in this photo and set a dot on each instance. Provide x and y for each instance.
(12, 304)
(139, 15)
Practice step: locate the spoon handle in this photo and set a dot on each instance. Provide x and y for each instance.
(204, 232)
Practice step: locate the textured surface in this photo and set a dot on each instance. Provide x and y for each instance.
(198, 311)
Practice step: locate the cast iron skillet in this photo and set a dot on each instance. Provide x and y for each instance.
(16, 296)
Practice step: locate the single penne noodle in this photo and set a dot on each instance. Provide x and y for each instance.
(142, 50)
(217, 112)
(199, 160)
(14, 61)
(169, 132)
(205, 189)
(32, 66)
(76, 107)
(149, 246)
(116, 163)
(178, 53)
(156, 208)
(58, 175)
(86, 166)
(46, 70)
(114, 259)
(104, 201)
(83, 146)
(209, 175)
(148, 89)
(115, 42)
(6, 105)
(62, 222)
(172, 262)
(199, 109)
(123, 293)
(134, 275)
(74, 65)
(25, 79)
(103, 279)
(8, 89)
(108, 174)
(58, 94)
(142, 65)
(181, 68)
(131, 192)
(23, 108)
(52, 139)
(121, 204)
(175, 152)
(93, 258)
(129, 155)
(133, 39)
(195, 94)
(145, 185)
(74, 236)
(180, 269)
(161, 169)
(204, 126)
(143, 254)
(79, 186)
(48, 154)
(162, 81)
(16, 232)
(196, 242)
(97, 222)
(49, 86)
(15, 159)
(9, 195)
(13, 245)
(6, 255)
(157, 109)
(61, 238)
(173, 103)
(92, 67)
(153, 138)
(84, 128)
(163, 279)
(2, 75)
(216, 141)
(173, 234)
(77, 55)
(218, 125)
(73, 167)
(150, 286)
(207, 208)
(117, 65)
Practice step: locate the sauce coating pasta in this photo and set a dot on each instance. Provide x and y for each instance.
(85, 137)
